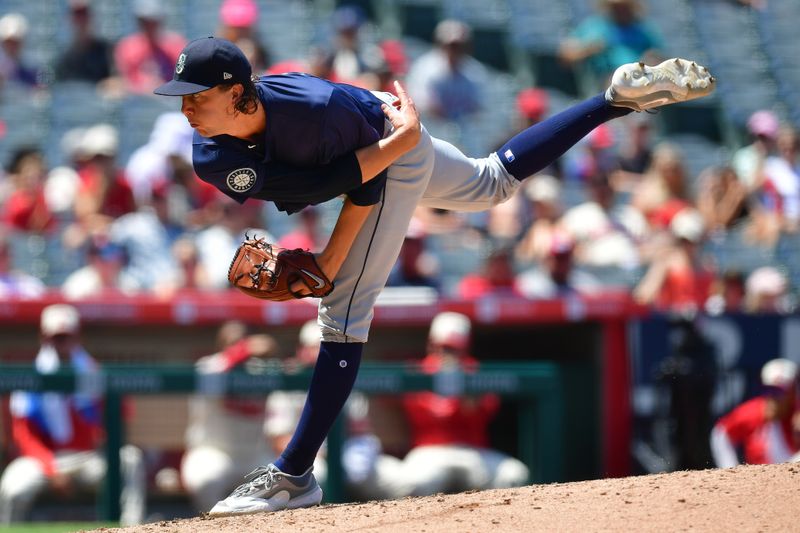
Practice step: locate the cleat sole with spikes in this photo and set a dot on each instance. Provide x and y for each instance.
(640, 87)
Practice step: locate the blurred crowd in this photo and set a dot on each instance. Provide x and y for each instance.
(621, 211)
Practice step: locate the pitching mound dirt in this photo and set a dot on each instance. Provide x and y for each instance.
(747, 498)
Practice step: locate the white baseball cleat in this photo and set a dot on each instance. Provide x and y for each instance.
(641, 87)
(268, 489)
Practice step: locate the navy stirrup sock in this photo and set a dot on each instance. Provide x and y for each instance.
(331, 383)
(533, 149)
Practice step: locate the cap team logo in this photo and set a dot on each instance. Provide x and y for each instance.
(241, 179)
(181, 64)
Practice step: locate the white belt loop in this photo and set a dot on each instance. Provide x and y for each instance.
(388, 99)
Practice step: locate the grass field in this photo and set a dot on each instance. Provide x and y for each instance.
(55, 527)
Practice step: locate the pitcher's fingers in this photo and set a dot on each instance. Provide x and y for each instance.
(401, 93)
(389, 110)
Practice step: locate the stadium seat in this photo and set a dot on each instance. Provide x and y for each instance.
(699, 117)
(676, 24)
(698, 152)
(736, 62)
(43, 19)
(74, 105)
(787, 251)
(457, 257)
(490, 29)
(30, 254)
(734, 252)
(549, 72)
(418, 20)
(539, 24)
(287, 29)
(25, 119)
(478, 12)
(366, 6)
(138, 114)
(202, 19)
(489, 45)
(777, 25)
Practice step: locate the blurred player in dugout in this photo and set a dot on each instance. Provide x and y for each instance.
(225, 437)
(58, 436)
(449, 434)
(222, 429)
(369, 473)
(764, 429)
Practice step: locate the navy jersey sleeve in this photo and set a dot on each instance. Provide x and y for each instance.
(369, 193)
(290, 187)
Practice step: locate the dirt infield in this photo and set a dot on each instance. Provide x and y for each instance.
(747, 498)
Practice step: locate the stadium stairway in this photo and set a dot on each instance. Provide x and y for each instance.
(746, 80)
(777, 27)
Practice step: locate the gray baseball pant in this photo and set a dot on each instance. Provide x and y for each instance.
(433, 174)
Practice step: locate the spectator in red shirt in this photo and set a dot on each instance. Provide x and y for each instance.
(450, 433)
(496, 278)
(225, 436)
(662, 191)
(26, 208)
(58, 436)
(103, 191)
(305, 233)
(678, 279)
(147, 58)
(766, 428)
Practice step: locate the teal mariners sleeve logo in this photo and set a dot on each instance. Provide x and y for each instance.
(241, 179)
(180, 64)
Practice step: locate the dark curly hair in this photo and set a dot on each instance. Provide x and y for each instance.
(248, 101)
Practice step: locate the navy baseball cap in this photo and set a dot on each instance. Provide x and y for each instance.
(206, 63)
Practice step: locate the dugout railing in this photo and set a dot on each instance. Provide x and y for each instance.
(536, 387)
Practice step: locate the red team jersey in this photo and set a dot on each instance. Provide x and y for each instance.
(34, 441)
(435, 419)
(763, 441)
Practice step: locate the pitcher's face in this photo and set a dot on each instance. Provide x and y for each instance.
(210, 112)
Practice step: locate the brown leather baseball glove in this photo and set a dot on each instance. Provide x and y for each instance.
(265, 271)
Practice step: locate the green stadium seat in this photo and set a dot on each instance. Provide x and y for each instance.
(419, 20)
(490, 46)
(693, 117)
(549, 71)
